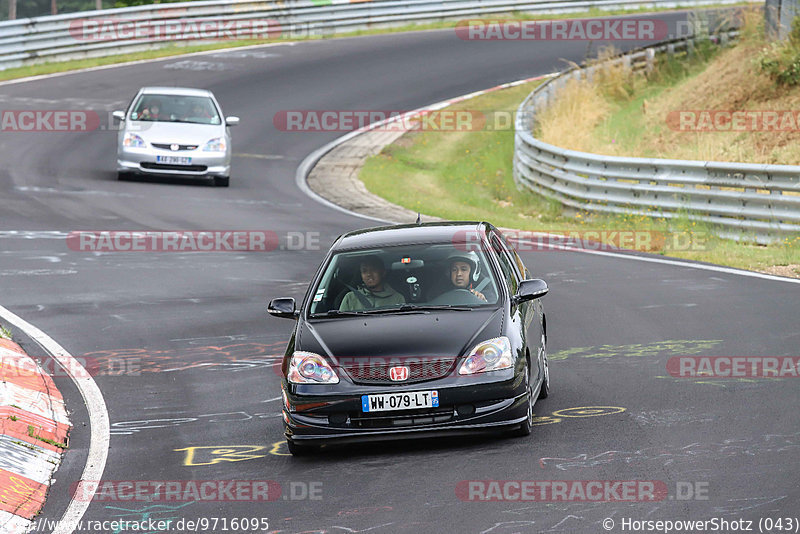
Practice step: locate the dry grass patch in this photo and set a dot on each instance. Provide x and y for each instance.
(570, 121)
(620, 114)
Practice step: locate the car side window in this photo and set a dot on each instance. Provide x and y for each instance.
(511, 252)
(523, 271)
(505, 265)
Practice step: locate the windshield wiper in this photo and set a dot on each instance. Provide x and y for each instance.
(404, 308)
(413, 308)
(336, 313)
(427, 307)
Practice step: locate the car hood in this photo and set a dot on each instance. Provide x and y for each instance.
(176, 132)
(433, 334)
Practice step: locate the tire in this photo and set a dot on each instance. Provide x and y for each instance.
(526, 426)
(545, 390)
(123, 176)
(222, 181)
(299, 450)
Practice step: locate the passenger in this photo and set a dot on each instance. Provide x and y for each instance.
(376, 292)
(152, 112)
(462, 267)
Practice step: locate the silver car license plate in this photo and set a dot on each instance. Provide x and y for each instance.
(174, 160)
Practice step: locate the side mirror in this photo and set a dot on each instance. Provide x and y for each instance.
(530, 290)
(119, 115)
(283, 307)
(231, 121)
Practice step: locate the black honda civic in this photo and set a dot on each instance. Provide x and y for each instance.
(414, 331)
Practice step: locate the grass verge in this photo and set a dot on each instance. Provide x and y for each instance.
(467, 175)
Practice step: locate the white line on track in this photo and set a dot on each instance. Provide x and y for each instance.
(98, 416)
(678, 263)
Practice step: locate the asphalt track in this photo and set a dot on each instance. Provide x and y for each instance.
(193, 326)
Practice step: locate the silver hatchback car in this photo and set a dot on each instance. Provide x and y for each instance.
(175, 131)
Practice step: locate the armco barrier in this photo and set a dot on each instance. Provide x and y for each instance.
(33, 432)
(41, 39)
(742, 200)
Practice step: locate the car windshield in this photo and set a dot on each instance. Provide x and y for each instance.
(175, 108)
(404, 279)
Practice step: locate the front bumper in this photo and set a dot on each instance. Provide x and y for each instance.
(466, 408)
(203, 164)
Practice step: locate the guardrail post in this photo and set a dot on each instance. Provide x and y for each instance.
(650, 58)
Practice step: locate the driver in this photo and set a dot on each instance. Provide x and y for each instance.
(375, 291)
(462, 266)
(198, 111)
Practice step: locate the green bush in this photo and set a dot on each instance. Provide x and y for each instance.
(781, 61)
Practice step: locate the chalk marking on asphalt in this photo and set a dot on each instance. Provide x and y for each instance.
(95, 405)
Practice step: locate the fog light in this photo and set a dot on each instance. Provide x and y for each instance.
(465, 410)
(337, 418)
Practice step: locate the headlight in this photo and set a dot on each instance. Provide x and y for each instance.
(134, 141)
(491, 355)
(310, 368)
(215, 145)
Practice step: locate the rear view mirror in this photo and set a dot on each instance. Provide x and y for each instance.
(283, 307)
(530, 290)
(119, 115)
(231, 121)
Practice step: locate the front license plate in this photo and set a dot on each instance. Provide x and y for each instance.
(412, 400)
(174, 160)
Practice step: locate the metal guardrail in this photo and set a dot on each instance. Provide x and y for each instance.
(41, 39)
(744, 201)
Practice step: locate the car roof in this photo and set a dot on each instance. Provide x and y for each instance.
(403, 234)
(181, 91)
